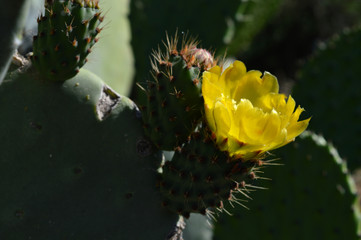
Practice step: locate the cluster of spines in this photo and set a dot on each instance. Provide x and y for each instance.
(201, 178)
(66, 33)
(173, 97)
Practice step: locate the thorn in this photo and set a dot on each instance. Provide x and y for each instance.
(252, 175)
(56, 48)
(195, 81)
(88, 39)
(52, 32)
(98, 30)
(89, 50)
(97, 15)
(174, 52)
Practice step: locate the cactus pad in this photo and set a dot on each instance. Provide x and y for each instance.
(66, 33)
(172, 104)
(76, 165)
(330, 90)
(311, 197)
(200, 177)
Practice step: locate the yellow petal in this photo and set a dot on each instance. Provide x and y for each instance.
(231, 76)
(270, 83)
(246, 113)
(210, 89)
(222, 118)
(297, 128)
(209, 118)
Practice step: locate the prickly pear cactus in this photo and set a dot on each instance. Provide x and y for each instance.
(312, 196)
(329, 86)
(172, 101)
(66, 33)
(70, 148)
(72, 151)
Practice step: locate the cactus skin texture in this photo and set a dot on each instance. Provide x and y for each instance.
(172, 101)
(66, 34)
(201, 178)
(329, 86)
(68, 172)
(311, 197)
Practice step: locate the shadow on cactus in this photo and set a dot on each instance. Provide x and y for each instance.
(300, 200)
(328, 85)
(83, 162)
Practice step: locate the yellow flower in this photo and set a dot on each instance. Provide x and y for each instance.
(245, 112)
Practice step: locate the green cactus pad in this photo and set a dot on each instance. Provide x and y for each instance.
(74, 163)
(66, 33)
(329, 88)
(172, 102)
(200, 177)
(312, 196)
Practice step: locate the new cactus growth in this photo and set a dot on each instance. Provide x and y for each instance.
(172, 100)
(66, 33)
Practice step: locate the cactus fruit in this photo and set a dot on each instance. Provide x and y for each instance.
(68, 170)
(330, 86)
(172, 99)
(201, 178)
(311, 197)
(66, 33)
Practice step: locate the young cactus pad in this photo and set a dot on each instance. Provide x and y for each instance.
(66, 33)
(172, 101)
(312, 196)
(75, 163)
